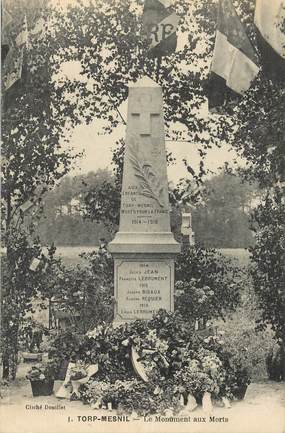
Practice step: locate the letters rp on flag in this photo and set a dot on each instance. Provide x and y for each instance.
(235, 63)
(159, 26)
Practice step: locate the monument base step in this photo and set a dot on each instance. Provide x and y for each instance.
(160, 242)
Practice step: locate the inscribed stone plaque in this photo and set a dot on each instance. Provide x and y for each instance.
(143, 287)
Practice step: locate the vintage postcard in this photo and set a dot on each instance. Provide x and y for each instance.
(142, 216)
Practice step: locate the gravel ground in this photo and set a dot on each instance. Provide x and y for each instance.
(262, 411)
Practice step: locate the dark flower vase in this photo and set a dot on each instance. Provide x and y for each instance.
(240, 392)
(41, 387)
(62, 370)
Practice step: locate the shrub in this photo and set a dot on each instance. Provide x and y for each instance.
(248, 346)
(4, 388)
(88, 290)
(65, 346)
(207, 284)
(268, 271)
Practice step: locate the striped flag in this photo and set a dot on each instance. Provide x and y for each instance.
(5, 44)
(13, 64)
(235, 63)
(22, 38)
(159, 26)
(6, 18)
(269, 20)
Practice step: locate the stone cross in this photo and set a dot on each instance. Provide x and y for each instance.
(145, 107)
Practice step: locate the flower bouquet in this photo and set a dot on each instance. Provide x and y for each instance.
(94, 393)
(80, 373)
(148, 356)
(202, 376)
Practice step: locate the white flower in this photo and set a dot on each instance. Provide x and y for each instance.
(168, 412)
(125, 342)
(157, 391)
(42, 376)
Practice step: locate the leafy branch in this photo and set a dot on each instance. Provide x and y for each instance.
(149, 181)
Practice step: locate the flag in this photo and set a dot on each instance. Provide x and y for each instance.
(26, 206)
(269, 19)
(12, 69)
(159, 26)
(5, 45)
(39, 28)
(6, 18)
(235, 63)
(13, 64)
(34, 264)
(22, 38)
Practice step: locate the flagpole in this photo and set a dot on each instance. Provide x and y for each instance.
(123, 120)
(118, 111)
(159, 57)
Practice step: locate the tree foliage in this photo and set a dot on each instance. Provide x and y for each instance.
(20, 285)
(110, 59)
(103, 203)
(222, 219)
(268, 257)
(33, 126)
(63, 221)
(257, 138)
